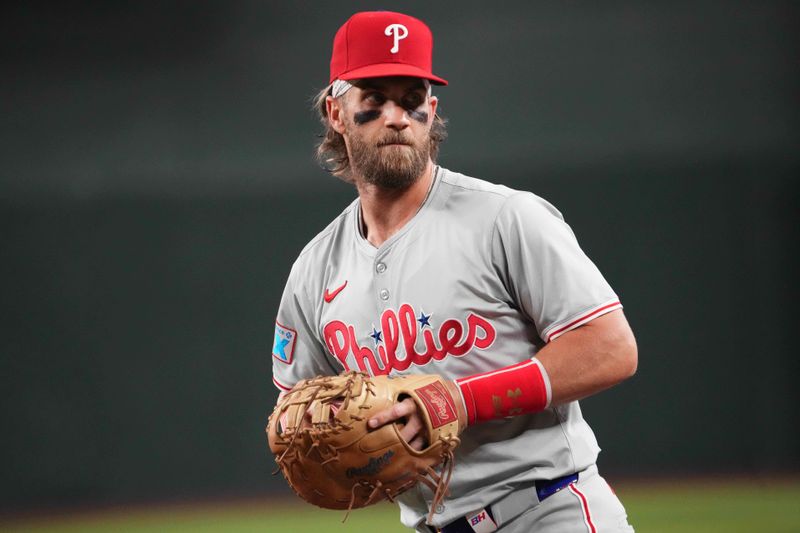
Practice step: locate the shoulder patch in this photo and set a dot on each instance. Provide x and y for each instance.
(283, 347)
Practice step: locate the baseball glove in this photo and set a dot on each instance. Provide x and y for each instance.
(318, 433)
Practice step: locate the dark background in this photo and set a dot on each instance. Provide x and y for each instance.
(157, 182)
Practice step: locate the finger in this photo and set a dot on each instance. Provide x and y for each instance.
(395, 412)
(418, 443)
(411, 429)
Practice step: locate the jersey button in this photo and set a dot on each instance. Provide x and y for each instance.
(384, 294)
(380, 268)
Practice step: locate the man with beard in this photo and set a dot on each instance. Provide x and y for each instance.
(432, 272)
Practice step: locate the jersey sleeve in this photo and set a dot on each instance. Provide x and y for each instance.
(297, 352)
(544, 269)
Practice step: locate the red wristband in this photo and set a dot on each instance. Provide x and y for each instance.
(510, 391)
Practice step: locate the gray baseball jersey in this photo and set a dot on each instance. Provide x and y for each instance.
(482, 277)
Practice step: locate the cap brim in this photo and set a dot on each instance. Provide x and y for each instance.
(382, 70)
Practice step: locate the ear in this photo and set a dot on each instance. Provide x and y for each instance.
(433, 105)
(334, 108)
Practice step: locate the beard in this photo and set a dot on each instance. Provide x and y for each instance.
(387, 164)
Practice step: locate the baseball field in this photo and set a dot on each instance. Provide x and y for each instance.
(696, 507)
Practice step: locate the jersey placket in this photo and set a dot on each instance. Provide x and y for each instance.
(381, 280)
(383, 297)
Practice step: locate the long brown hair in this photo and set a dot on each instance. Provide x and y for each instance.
(332, 152)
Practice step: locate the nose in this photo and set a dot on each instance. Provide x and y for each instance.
(396, 116)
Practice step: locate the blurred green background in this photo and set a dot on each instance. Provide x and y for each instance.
(157, 182)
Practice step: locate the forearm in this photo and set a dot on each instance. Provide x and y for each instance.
(591, 358)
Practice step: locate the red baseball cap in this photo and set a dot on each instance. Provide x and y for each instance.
(373, 44)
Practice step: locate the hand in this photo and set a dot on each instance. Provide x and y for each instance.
(408, 419)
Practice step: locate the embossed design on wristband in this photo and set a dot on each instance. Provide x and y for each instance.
(513, 395)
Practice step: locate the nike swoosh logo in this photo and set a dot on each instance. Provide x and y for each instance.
(329, 296)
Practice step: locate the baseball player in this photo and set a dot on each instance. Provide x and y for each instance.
(433, 272)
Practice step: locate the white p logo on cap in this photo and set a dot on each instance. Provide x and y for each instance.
(399, 31)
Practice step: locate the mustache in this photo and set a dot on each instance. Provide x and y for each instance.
(395, 139)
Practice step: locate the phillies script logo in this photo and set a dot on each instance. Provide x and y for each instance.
(396, 341)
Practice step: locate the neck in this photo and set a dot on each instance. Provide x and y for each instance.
(385, 211)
